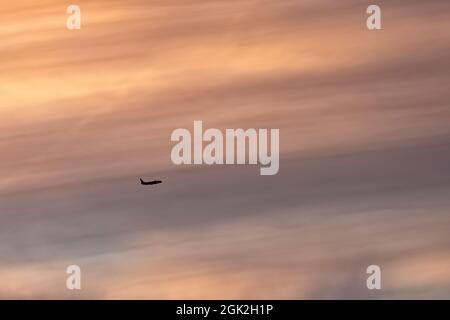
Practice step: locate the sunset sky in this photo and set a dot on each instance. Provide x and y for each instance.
(364, 119)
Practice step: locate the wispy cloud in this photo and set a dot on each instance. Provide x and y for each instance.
(364, 149)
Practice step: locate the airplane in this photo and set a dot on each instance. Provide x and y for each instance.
(149, 183)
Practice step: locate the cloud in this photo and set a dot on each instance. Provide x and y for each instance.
(364, 136)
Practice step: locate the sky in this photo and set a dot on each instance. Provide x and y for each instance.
(364, 149)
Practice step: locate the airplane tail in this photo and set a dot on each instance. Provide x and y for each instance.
(142, 181)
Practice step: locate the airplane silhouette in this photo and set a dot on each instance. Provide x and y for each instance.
(149, 183)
